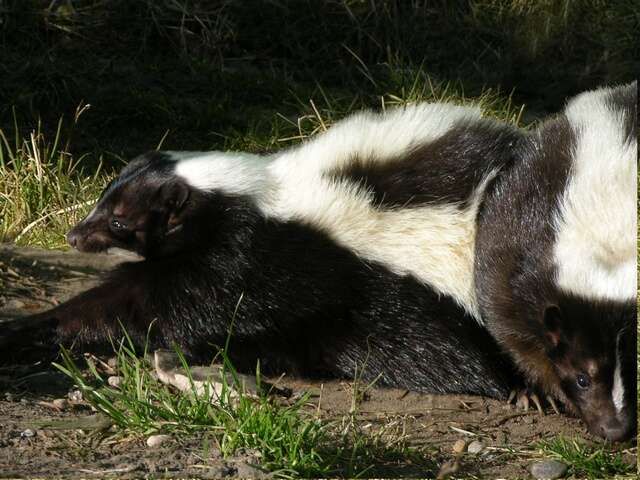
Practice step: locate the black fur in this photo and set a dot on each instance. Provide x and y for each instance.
(446, 170)
(304, 306)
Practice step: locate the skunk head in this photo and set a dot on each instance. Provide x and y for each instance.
(595, 254)
(592, 345)
(143, 210)
(168, 202)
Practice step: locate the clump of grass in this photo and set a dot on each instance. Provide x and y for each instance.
(586, 460)
(43, 188)
(290, 439)
(319, 112)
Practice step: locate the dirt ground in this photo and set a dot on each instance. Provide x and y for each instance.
(39, 440)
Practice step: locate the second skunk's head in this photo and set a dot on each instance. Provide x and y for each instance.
(163, 203)
(595, 262)
(592, 347)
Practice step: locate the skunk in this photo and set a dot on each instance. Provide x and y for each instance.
(556, 258)
(352, 251)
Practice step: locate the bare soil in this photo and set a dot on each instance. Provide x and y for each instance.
(39, 440)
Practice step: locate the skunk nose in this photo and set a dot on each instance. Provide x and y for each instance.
(72, 238)
(616, 431)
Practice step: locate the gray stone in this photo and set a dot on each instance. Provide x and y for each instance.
(475, 447)
(114, 381)
(75, 396)
(156, 440)
(548, 470)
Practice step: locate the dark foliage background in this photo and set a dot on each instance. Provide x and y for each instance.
(214, 73)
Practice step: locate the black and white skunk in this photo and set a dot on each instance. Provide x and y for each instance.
(394, 241)
(355, 250)
(556, 258)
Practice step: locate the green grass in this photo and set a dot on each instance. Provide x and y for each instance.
(44, 190)
(290, 439)
(586, 461)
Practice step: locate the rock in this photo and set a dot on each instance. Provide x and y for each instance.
(112, 362)
(28, 433)
(459, 446)
(156, 440)
(75, 396)
(548, 469)
(60, 403)
(114, 381)
(475, 447)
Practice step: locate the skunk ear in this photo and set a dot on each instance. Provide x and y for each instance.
(553, 321)
(174, 195)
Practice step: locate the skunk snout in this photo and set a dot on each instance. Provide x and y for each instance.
(73, 237)
(614, 430)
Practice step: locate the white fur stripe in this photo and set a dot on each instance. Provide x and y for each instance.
(597, 223)
(375, 136)
(617, 392)
(231, 172)
(434, 243)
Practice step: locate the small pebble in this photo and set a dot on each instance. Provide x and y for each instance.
(114, 381)
(548, 470)
(459, 446)
(28, 433)
(75, 395)
(475, 447)
(112, 362)
(60, 403)
(157, 440)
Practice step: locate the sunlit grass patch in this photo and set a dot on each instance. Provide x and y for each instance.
(44, 189)
(292, 441)
(586, 461)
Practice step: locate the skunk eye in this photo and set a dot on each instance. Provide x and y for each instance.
(583, 381)
(118, 226)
